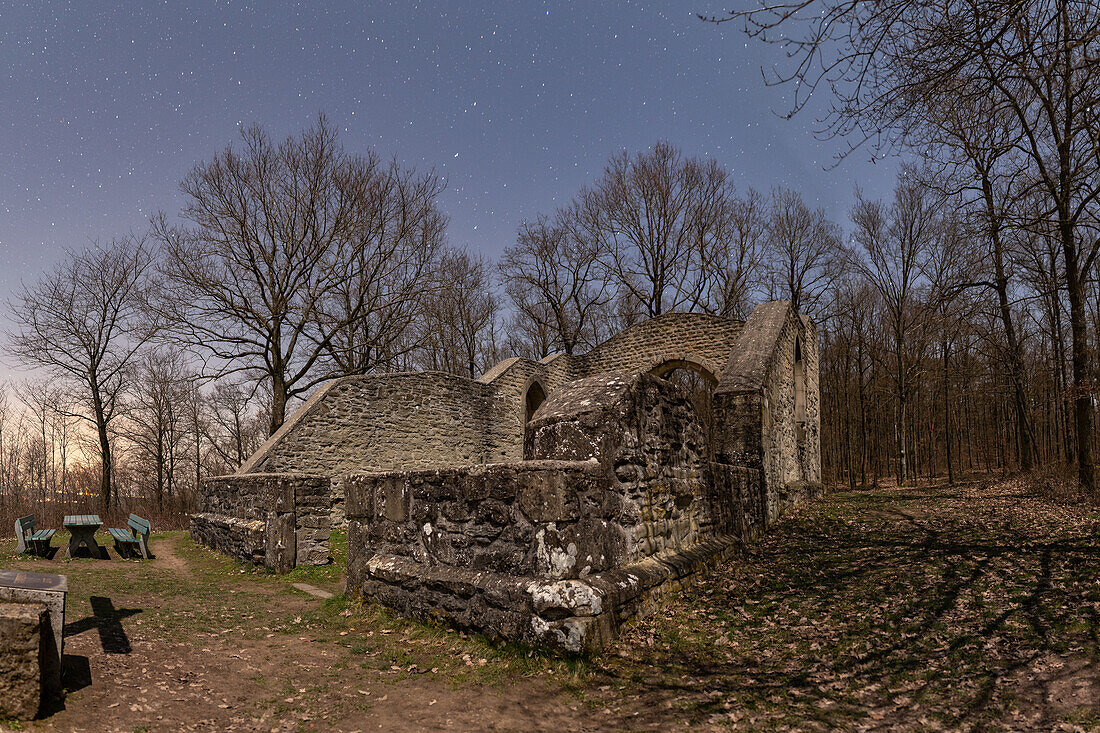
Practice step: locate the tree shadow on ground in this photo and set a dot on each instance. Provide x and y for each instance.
(939, 608)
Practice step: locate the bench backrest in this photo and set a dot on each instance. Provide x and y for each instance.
(139, 525)
(24, 525)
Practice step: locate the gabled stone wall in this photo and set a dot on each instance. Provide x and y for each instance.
(754, 404)
(433, 419)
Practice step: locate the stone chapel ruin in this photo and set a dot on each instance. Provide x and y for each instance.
(543, 502)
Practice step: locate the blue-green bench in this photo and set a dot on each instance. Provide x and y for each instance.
(29, 539)
(134, 540)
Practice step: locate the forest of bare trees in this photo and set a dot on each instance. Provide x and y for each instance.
(959, 312)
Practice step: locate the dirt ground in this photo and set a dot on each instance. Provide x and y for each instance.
(970, 607)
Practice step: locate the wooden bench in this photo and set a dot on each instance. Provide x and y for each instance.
(28, 539)
(134, 540)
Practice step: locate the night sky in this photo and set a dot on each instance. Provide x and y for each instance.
(107, 105)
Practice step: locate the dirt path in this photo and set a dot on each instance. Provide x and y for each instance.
(127, 672)
(968, 608)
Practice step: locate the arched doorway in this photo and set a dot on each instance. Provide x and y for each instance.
(699, 383)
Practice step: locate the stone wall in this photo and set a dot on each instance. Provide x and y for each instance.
(23, 627)
(645, 432)
(383, 421)
(277, 520)
(755, 406)
(433, 419)
(613, 507)
(696, 338)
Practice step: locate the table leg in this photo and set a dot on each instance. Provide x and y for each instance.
(84, 538)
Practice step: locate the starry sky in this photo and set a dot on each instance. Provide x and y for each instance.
(105, 105)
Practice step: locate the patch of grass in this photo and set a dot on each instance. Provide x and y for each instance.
(407, 648)
(331, 574)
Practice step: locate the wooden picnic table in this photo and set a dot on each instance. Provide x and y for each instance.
(83, 527)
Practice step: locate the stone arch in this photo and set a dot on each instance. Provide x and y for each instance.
(664, 367)
(700, 384)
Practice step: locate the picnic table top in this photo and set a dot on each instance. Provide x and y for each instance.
(81, 520)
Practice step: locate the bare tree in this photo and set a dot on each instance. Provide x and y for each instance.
(268, 273)
(391, 270)
(892, 244)
(804, 250)
(84, 322)
(461, 318)
(233, 426)
(1035, 60)
(156, 416)
(732, 242)
(641, 220)
(551, 277)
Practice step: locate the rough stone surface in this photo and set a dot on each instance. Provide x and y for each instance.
(433, 419)
(21, 651)
(551, 551)
(18, 586)
(277, 520)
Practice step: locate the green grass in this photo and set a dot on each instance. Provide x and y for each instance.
(332, 573)
(218, 595)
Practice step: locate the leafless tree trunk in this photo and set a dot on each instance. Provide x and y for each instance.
(805, 250)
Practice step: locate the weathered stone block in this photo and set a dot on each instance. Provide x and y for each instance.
(543, 496)
(280, 545)
(22, 626)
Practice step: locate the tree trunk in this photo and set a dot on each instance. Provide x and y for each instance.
(947, 414)
(278, 400)
(903, 467)
(1082, 393)
(1015, 363)
(105, 462)
(862, 420)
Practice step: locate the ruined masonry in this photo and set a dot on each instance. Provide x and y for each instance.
(544, 502)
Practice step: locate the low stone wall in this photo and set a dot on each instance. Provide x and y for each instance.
(243, 539)
(22, 629)
(550, 551)
(548, 519)
(534, 552)
(277, 520)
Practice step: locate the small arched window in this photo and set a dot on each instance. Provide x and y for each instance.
(536, 395)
